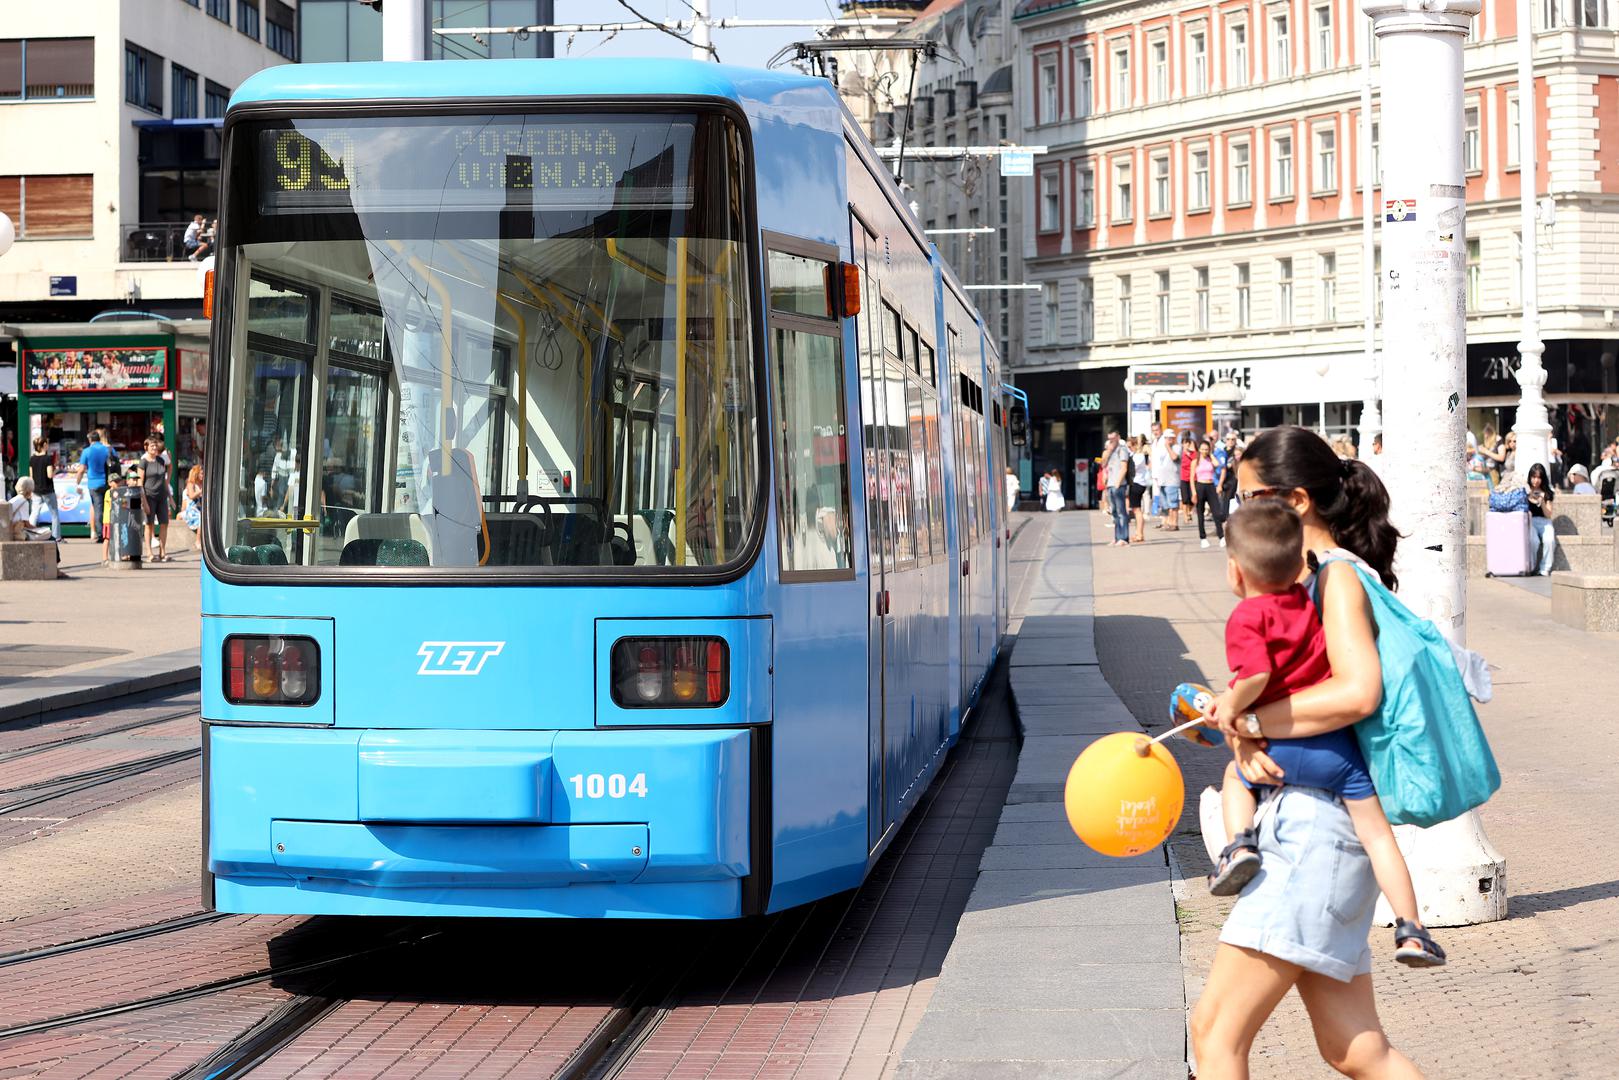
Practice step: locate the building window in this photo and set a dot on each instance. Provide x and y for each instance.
(1085, 180)
(1160, 69)
(1323, 38)
(1281, 47)
(1281, 160)
(182, 93)
(1377, 153)
(48, 207)
(1377, 276)
(1284, 292)
(1050, 201)
(1470, 145)
(1241, 177)
(215, 98)
(1515, 285)
(1514, 133)
(143, 78)
(1236, 38)
(1588, 13)
(1048, 322)
(1475, 272)
(1087, 309)
(1160, 184)
(1197, 59)
(47, 69)
(1329, 286)
(1163, 302)
(1200, 277)
(1200, 180)
(1124, 306)
(1244, 297)
(1084, 84)
(1326, 160)
(1123, 208)
(1050, 108)
(220, 9)
(280, 32)
(247, 17)
(1121, 76)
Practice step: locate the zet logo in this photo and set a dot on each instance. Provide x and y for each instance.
(456, 657)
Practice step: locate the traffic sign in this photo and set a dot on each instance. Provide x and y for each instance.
(1017, 163)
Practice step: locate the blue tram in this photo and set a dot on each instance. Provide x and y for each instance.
(604, 501)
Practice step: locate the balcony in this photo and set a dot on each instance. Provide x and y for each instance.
(152, 242)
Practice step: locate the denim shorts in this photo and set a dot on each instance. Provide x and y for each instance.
(1311, 903)
(1171, 495)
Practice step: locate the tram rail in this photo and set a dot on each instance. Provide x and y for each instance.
(72, 784)
(8, 756)
(113, 937)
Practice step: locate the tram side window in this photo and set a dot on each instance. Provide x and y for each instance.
(917, 423)
(930, 423)
(812, 449)
(281, 350)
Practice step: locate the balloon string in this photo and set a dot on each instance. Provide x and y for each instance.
(1178, 730)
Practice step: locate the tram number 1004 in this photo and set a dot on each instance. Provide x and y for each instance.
(614, 786)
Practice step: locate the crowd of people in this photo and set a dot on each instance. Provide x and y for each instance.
(199, 238)
(103, 479)
(1174, 477)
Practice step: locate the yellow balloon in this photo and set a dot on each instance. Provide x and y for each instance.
(1119, 802)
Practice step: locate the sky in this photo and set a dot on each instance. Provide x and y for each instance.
(748, 47)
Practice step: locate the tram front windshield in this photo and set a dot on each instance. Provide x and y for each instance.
(481, 341)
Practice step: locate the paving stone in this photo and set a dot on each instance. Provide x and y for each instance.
(1068, 1069)
(1014, 1034)
(1054, 651)
(1127, 985)
(1100, 896)
(1092, 717)
(1061, 857)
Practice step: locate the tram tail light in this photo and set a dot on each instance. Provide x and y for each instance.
(849, 294)
(670, 672)
(271, 670)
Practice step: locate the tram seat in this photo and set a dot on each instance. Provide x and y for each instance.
(389, 552)
(516, 540)
(580, 541)
(242, 554)
(271, 555)
(641, 534)
(386, 527)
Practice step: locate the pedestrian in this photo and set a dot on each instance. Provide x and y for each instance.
(192, 240)
(1140, 479)
(26, 508)
(1054, 497)
(42, 471)
(95, 458)
(1494, 455)
(1156, 432)
(1188, 459)
(1477, 463)
(1541, 497)
(281, 466)
(1377, 443)
(1509, 459)
(1285, 931)
(191, 506)
(155, 497)
(109, 495)
(1116, 475)
(1228, 473)
(1166, 473)
(1579, 481)
(1205, 475)
(1012, 489)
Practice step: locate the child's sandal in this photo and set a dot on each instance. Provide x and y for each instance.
(1239, 862)
(1425, 952)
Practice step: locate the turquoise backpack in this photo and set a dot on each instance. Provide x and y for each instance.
(1424, 745)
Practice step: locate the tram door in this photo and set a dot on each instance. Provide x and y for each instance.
(879, 538)
(964, 501)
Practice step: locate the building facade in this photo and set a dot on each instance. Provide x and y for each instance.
(1198, 215)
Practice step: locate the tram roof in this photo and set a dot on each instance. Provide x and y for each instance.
(779, 94)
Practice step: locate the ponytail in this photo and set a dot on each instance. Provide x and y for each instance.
(1349, 498)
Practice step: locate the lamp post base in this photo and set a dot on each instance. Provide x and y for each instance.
(1460, 878)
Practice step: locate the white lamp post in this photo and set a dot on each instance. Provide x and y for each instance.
(1460, 878)
(1371, 420)
(8, 234)
(1532, 426)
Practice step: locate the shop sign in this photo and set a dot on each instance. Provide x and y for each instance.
(77, 370)
(1204, 378)
(193, 371)
(1076, 403)
(1160, 380)
(64, 285)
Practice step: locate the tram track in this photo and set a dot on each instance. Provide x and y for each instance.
(63, 786)
(114, 937)
(17, 754)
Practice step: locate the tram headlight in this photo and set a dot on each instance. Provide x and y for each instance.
(670, 672)
(271, 670)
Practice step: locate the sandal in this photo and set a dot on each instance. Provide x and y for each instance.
(1239, 862)
(1424, 953)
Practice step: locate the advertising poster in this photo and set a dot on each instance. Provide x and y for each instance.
(72, 502)
(51, 371)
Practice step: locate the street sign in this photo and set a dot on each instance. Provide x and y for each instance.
(1017, 163)
(64, 285)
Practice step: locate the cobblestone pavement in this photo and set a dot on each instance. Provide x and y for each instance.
(1532, 996)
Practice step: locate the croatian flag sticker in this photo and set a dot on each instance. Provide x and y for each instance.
(1395, 210)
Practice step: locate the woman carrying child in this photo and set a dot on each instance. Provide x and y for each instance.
(1302, 923)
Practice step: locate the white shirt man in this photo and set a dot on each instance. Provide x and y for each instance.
(1012, 489)
(1166, 476)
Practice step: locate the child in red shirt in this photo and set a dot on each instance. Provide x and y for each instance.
(1275, 647)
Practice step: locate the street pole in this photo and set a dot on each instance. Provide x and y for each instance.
(404, 30)
(1532, 426)
(1371, 421)
(1460, 878)
(702, 34)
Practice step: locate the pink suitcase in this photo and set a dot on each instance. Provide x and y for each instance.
(1508, 548)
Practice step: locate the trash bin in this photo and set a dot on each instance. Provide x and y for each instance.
(128, 524)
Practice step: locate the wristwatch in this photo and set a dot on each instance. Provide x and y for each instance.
(1250, 724)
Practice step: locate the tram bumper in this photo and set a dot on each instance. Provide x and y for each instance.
(651, 822)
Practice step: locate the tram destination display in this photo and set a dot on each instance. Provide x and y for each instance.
(440, 164)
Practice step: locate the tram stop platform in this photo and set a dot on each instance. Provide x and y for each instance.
(100, 633)
(1066, 963)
